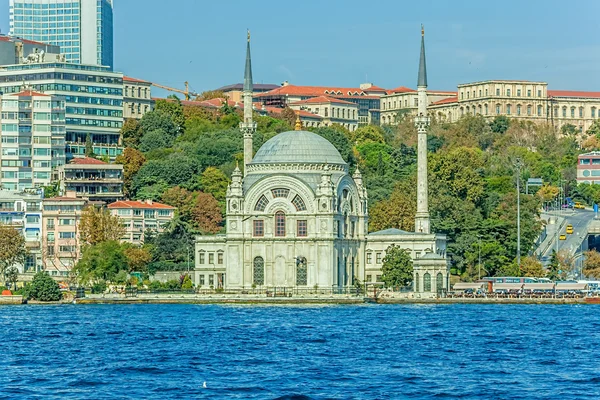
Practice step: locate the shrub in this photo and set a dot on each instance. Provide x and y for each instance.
(99, 287)
(187, 282)
(155, 285)
(172, 285)
(44, 288)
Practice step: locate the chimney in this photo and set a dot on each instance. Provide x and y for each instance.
(149, 201)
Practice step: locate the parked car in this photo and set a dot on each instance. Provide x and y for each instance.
(579, 205)
(562, 237)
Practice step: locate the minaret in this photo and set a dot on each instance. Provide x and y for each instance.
(422, 123)
(247, 126)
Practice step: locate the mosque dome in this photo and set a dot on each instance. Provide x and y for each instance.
(298, 147)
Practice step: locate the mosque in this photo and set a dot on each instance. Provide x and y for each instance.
(298, 218)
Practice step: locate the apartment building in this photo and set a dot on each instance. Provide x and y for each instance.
(137, 99)
(140, 216)
(23, 211)
(32, 138)
(330, 110)
(61, 247)
(92, 179)
(93, 101)
(404, 101)
(588, 168)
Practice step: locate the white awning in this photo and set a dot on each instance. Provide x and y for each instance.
(508, 286)
(539, 286)
(571, 286)
(468, 285)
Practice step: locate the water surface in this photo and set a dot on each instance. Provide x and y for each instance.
(322, 352)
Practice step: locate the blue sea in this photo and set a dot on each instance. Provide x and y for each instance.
(300, 352)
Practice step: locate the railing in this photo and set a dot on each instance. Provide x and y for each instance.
(267, 291)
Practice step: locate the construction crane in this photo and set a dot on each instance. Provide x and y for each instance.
(185, 92)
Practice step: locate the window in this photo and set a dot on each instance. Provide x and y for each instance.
(427, 282)
(580, 112)
(201, 257)
(498, 109)
(220, 257)
(258, 227)
(33, 219)
(66, 221)
(279, 224)
(302, 228)
(378, 258)
(301, 272)
(462, 95)
(497, 92)
(50, 250)
(486, 92)
(528, 92)
(417, 282)
(211, 279)
(518, 109)
(50, 237)
(508, 109)
(67, 235)
(261, 204)
(439, 282)
(564, 112)
(369, 258)
(50, 224)
(508, 92)
(572, 112)
(368, 278)
(539, 111)
(539, 93)
(280, 192)
(593, 112)
(299, 203)
(201, 283)
(479, 92)
(485, 107)
(519, 92)
(258, 271)
(468, 94)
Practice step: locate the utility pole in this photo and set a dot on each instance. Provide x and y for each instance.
(518, 164)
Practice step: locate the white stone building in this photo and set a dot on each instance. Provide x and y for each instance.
(297, 218)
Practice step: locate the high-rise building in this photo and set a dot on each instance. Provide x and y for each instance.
(82, 28)
(33, 139)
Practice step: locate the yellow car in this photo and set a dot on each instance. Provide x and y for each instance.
(562, 237)
(569, 230)
(579, 205)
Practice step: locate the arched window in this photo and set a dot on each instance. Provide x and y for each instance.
(301, 272)
(580, 112)
(486, 109)
(279, 223)
(427, 282)
(518, 109)
(258, 272)
(261, 204)
(417, 287)
(439, 282)
(299, 203)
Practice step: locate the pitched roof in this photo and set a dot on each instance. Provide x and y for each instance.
(316, 91)
(573, 93)
(130, 79)
(301, 113)
(445, 101)
(401, 89)
(86, 161)
(139, 204)
(4, 38)
(374, 88)
(29, 93)
(323, 99)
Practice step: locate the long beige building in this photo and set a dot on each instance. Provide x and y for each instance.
(524, 100)
(402, 100)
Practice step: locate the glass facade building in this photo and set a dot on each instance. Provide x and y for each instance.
(93, 101)
(82, 28)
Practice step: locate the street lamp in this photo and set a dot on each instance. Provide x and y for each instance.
(479, 237)
(518, 164)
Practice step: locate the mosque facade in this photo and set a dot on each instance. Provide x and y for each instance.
(298, 218)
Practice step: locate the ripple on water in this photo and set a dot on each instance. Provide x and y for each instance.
(312, 352)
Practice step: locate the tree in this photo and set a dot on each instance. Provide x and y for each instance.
(594, 129)
(531, 267)
(137, 258)
(101, 262)
(131, 132)
(289, 116)
(158, 120)
(182, 199)
(89, 147)
(569, 130)
(591, 264)
(554, 267)
(174, 110)
(132, 160)
(44, 288)
(98, 225)
(547, 193)
(212, 94)
(368, 133)
(215, 182)
(397, 268)
(12, 248)
(12, 276)
(207, 213)
(396, 212)
(155, 140)
(52, 190)
(500, 124)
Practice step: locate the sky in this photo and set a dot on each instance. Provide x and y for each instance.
(348, 42)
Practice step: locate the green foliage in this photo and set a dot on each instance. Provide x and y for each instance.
(99, 287)
(173, 109)
(155, 140)
(397, 269)
(89, 149)
(554, 271)
(52, 190)
(500, 124)
(187, 282)
(44, 288)
(102, 261)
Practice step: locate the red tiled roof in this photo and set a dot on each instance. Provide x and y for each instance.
(323, 99)
(64, 198)
(29, 93)
(138, 204)
(316, 91)
(301, 113)
(573, 93)
(86, 161)
(4, 38)
(441, 92)
(130, 79)
(401, 89)
(375, 89)
(445, 101)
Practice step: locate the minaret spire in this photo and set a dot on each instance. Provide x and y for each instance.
(422, 222)
(248, 126)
